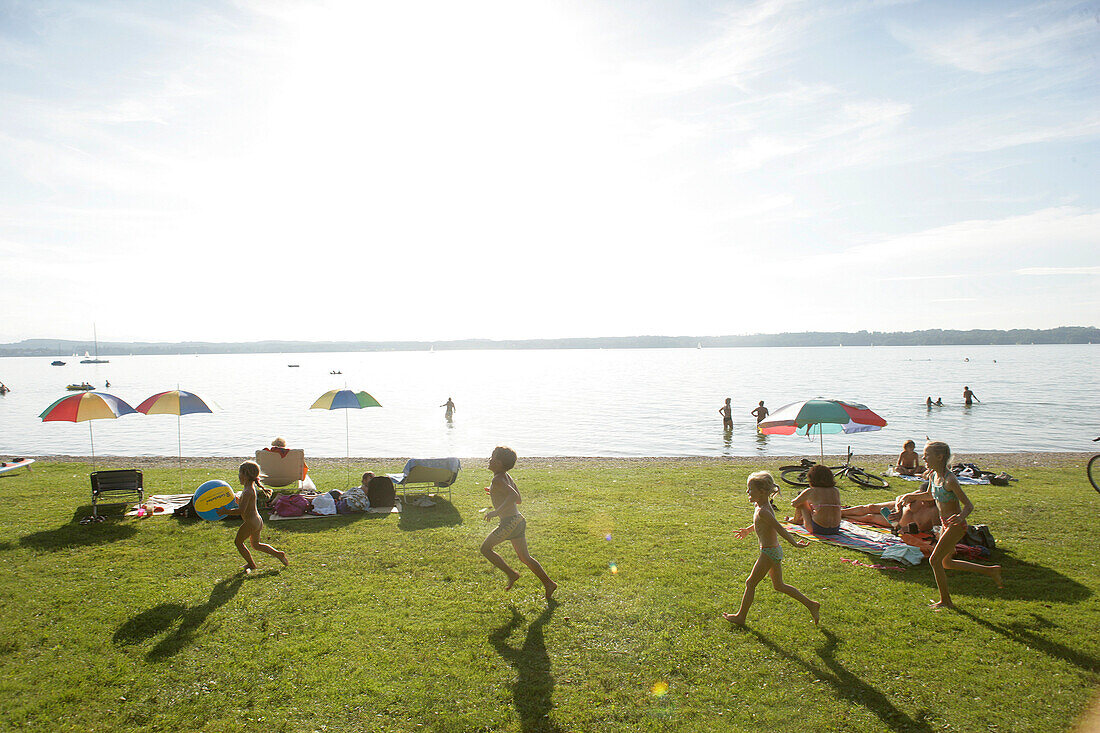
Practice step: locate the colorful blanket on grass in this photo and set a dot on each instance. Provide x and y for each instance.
(162, 505)
(872, 540)
(273, 517)
(962, 479)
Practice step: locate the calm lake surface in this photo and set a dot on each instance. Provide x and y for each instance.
(646, 402)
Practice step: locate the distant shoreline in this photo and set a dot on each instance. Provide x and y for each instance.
(52, 348)
(873, 462)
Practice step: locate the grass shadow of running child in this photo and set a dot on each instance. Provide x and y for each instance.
(850, 687)
(533, 691)
(158, 619)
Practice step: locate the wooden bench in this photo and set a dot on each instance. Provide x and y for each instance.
(117, 483)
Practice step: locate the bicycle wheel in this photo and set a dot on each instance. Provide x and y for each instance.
(870, 480)
(794, 475)
(1094, 472)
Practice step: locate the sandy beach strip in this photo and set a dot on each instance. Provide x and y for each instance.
(987, 461)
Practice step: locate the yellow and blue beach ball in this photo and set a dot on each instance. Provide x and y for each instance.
(210, 497)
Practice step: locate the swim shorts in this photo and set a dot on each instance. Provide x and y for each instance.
(510, 528)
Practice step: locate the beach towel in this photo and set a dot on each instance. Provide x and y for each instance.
(873, 541)
(373, 510)
(962, 479)
(162, 505)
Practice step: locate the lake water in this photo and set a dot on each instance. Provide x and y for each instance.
(651, 402)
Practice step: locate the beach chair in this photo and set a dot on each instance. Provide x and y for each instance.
(423, 475)
(283, 468)
(116, 483)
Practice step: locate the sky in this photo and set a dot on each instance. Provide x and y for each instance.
(270, 169)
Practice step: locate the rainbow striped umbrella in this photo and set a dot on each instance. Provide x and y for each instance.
(86, 407)
(345, 399)
(174, 402)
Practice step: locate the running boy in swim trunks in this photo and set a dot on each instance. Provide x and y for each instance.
(505, 496)
(768, 529)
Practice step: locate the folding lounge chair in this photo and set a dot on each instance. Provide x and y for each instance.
(424, 474)
(283, 470)
(118, 483)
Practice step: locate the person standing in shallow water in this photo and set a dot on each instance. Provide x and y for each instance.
(450, 413)
(760, 412)
(727, 415)
(969, 398)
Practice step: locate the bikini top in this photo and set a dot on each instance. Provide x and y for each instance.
(941, 494)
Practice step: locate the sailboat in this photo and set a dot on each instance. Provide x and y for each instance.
(88, 359)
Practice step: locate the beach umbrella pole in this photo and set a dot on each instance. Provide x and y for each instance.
(179, 449)
(92, 441)
(347, 449)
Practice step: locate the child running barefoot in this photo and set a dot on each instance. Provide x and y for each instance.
(513, 526)
(768, 529)
(954, 507)
(249, 475)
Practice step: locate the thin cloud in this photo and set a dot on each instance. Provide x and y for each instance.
(1058, 271)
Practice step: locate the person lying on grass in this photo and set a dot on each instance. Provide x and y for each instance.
(252, 523)
(954, 507)
(902, 513)
(761, 488)
(505, 496)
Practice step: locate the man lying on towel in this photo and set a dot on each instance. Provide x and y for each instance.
(923, 514)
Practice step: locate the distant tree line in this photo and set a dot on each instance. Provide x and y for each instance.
(931, 337)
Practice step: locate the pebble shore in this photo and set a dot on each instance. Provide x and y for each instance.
(989, 461)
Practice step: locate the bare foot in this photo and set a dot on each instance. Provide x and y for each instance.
(733, 618)
(941, 604)
(550, 589)
(511, 580)
(282, 558)
(815, 611)
(997, 576)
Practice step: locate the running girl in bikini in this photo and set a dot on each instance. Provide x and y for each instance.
(768, 529)
(954, 507)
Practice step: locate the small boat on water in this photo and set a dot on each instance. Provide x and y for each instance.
(336, 371)
(292, 365)
(82, 387)
(57, 362)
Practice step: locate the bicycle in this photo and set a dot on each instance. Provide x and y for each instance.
(1093, 469)
(796, 475)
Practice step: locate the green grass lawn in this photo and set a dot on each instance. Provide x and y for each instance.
(387, 622)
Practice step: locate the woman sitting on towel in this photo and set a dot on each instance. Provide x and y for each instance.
(818, 507)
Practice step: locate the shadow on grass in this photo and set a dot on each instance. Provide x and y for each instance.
(75, 534)
(158, 619)
(1024, 581)
(848, 686)
(1024, 632)
(533, 691)
(443, 514)
(321, 524)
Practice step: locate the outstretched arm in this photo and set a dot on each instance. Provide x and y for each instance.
(797, 542)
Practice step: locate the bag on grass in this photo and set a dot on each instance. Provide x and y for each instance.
(290, 505)
(381, 491)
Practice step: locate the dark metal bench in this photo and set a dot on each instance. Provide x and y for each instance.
(119, 483)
